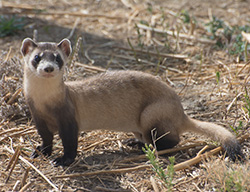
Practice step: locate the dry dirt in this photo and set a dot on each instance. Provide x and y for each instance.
(113, 38)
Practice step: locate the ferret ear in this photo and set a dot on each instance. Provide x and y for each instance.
(65, 46)
(27, 45)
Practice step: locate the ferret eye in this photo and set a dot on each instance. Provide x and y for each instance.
(37, 58)
(58, 59)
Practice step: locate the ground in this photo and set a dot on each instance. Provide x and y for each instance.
(194, 46)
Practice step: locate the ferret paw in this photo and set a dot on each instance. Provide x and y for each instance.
(46, 151)
(133, 142)
(63, 161)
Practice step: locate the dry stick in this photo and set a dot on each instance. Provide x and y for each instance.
(175, 34)
(177, 56)
(8, 55)
(14, 96)
(112, 171)
(73, 29)
(15, 186)
(63, 13)
(231, 104)
(162, 152)
(199, 157)
(33, 167)
(14, 160)
(25, 176)
(94, 68)
(19, 6)
(244, 66)
(86, 54)
(25, 187)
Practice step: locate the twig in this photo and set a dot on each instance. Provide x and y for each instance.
(15, 186)
(176, 56)
(8, 55)
(197, 159)
(86, 53)
(235, 98)
(112, 171)
(14, 160)
(19, 6)
(25, 187)
(25, 176)
(162, 152)
(92, 68)
(174, 33)
(62, 13)
(33, 167)
(14, 96)
(244, 66)
(202, 150)
(73, 29)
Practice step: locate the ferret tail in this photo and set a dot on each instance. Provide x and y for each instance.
(217, 133)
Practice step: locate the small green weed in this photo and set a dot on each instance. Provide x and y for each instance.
(139, 37)
(217, 77)
(228, 37)
(247, 101)
(236, 129)
(165, 177)
(186, 18)
(10, 26)
(233, 183)
(214, 25)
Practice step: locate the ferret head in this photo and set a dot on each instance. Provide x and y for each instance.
(45, 60)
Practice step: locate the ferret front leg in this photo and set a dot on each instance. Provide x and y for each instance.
(47, 139)
(68, 132)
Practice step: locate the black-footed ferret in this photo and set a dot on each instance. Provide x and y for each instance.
(127, 101)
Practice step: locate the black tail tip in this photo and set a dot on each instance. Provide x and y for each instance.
(234, 151)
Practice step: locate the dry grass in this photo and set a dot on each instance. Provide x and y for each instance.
(152, 37)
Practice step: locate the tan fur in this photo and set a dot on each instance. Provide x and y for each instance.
(127, 101)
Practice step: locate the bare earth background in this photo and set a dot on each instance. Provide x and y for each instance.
(194, 46)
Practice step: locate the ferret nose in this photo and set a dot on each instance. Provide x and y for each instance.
(49, 69)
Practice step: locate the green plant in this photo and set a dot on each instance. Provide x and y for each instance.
(214, 25)
(217, 77)
(247, 101)
(10, 26)
(233, 182)
(236, 129)
(237, 45)
(132, 48)
(139, 37)
(165, 177)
